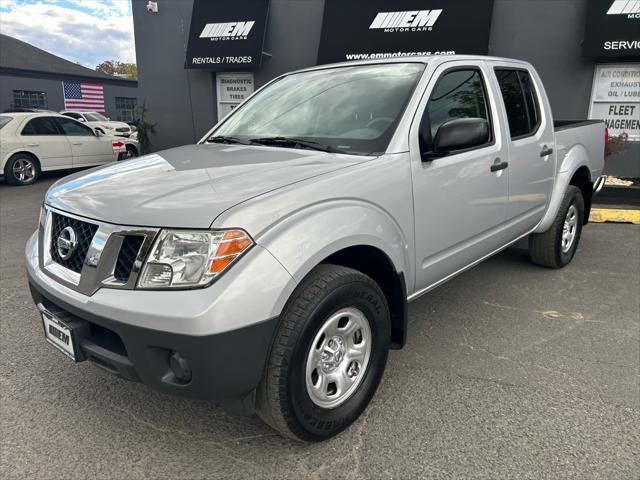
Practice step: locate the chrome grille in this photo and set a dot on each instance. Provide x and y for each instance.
(84, 232)
(127, 256)
(106, 255)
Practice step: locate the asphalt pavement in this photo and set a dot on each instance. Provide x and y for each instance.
(511, 371)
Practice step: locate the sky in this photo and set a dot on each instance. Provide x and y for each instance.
(82, 31)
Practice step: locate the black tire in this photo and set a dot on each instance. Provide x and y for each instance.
(132, 152)
(282, 398)
(546, 248)
(13, 178)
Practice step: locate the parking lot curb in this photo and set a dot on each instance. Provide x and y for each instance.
(615, 215)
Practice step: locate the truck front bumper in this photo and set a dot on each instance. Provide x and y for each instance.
(202, 356)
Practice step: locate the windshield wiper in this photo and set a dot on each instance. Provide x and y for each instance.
(293, 142)
(225, 139)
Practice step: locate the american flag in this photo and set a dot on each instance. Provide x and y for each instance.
(83, 96)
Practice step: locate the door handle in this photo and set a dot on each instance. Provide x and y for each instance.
(33, 144)
(546, 151)
(76, 143)
(499, 166)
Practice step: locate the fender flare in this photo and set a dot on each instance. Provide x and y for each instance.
(302, 239)
(576, 158)
(6, 158)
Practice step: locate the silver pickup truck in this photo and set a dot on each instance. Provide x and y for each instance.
(269, 267)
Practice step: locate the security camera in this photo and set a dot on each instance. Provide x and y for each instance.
(152, 7)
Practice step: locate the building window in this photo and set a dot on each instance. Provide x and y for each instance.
(29, 99)
(126, 109)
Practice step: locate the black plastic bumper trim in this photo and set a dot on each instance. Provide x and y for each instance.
(225, 367)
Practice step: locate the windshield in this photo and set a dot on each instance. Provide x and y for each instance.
(347, 109)
(95, 117)
(4, 119)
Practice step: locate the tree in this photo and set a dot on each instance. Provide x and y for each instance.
(108, 67)
(145, 129)
(113, 67)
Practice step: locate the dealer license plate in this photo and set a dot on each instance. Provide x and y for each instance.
(58, 334)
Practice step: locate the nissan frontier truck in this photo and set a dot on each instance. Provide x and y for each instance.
(269, 266)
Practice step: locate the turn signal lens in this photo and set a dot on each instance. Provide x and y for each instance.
(233, 244)
(191, 258)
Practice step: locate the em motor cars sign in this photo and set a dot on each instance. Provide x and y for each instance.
(369, 29)
(612, 29)
(615, 98)
(227, 34)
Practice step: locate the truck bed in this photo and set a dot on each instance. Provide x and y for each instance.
(585, 138)
(564, 124)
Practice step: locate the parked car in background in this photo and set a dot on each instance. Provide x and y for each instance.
(101, 123)
(34, 142)
(270, 266)
(26, 109)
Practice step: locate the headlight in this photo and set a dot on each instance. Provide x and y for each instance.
(191, 258)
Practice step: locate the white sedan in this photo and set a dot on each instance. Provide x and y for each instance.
(35, 142)
(99, 122)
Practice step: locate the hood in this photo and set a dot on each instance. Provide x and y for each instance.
(108, 123)
(187, 187)
(113, 124)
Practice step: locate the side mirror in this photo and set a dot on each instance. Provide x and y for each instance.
(460, 134)
(98, 133)
(81, 119)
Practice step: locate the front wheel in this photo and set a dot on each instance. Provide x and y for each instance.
(556, 247)
(328, 355)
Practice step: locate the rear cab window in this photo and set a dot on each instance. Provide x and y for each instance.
(520, 101)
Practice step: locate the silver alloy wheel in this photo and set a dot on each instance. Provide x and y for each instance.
(24, 170)
(338, 358)
(569, 228)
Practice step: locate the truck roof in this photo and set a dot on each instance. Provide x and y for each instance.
(415, 58)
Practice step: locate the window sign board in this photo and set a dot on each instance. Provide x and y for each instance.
(231, 90)
(227, 34)
(615, 98)
(369, 29)
(612, 29)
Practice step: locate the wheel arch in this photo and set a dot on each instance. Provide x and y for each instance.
(374, 263)
(574, 168)
(349, 233)
(582, 179)
(28, 153)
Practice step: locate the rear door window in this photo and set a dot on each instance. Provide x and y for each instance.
(520, 101)
(41, 126)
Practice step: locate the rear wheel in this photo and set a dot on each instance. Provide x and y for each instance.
(22, 169)
(556, 247)
(328, 356)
